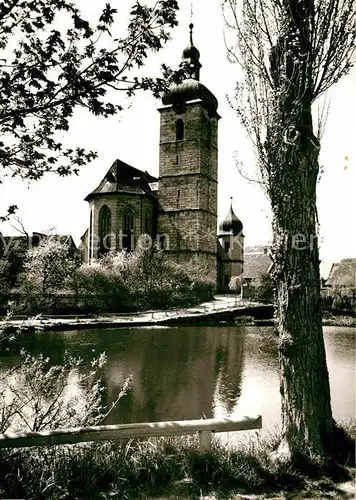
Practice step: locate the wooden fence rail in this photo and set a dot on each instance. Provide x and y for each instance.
(126, 431)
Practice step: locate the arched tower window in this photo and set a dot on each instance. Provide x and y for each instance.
(179, 130)
(104, 229)
(128, 229)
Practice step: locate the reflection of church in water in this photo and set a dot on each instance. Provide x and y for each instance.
(179, 209)
(203, 378)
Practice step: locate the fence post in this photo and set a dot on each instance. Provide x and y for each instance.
(204, 441)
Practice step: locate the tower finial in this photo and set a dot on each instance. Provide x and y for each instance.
(191, 57)
(231, 206)
(191, 26)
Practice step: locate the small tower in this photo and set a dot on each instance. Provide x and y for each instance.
(188, 165)
(231, 249)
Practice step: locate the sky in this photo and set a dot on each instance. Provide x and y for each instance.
(133, 137)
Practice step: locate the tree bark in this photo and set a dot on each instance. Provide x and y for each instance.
(305, 393)
(292, 151)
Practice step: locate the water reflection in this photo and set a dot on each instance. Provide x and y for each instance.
(177, 374)
(192, 372)
(229, 366)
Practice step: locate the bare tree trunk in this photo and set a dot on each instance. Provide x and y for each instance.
(305, 393)
(306, 408)
(293, 156)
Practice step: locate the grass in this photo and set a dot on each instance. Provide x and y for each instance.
(339, 320)
(139, 469)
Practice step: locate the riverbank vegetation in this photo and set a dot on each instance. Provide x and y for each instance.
(54, 282)
(339, 301)
(339, 320)
(339, 306)
(328, 320)
(135, 469)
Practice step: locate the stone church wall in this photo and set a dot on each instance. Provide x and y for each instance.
(117, 205)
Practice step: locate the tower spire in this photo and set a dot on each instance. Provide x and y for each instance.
(191, 56)
(191, 26)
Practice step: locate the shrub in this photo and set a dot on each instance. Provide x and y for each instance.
(142, 280)
(49, 270)
(101, 287)
(339, 301)
(262, 289)
(118, 282)
(35, 395)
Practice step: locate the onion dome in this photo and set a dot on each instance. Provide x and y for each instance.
(191, 90)
(231, 224)
(191, 56)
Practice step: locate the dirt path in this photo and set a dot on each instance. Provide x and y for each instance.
(221, 308)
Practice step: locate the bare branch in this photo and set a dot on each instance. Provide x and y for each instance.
(20, 227)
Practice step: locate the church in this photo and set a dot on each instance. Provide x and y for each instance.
(177, 211)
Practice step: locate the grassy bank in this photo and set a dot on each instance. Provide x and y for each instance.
(328, 320)
(157, 467)
(340, 320)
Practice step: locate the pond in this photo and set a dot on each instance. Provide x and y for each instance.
(197, 371)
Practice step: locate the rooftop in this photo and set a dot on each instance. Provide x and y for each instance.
(343, 274)
(125, 179)
(257, 262)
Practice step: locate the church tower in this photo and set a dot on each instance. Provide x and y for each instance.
(188, 169)
(230, 249)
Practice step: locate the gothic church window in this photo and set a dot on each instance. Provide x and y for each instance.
(90, 236)
(179, 130)
(128, 228)
(104, 229)
(148, 223)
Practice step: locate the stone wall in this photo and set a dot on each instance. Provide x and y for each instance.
(187, 213)
(118, 203)
(193, 230)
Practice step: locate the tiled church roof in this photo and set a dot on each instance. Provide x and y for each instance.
(122, 178)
